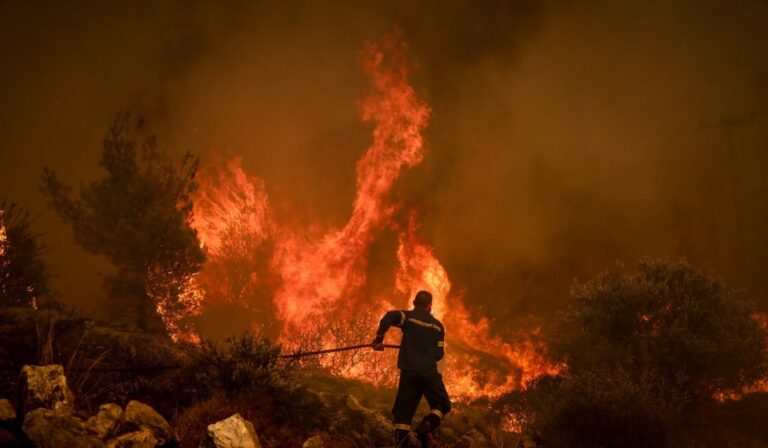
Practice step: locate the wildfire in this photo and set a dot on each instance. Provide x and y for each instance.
(316, 286)
(3, 233)
(316, 275)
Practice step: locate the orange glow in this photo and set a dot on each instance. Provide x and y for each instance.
(513, 423)
(4, 244)
(3, 234)
(759, 386)
(187, 303)
(319, 283)
(230, 207)
(470, 348)
(317, 274)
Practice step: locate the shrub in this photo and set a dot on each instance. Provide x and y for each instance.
(671, 324)
(642, 351)
(242, 365)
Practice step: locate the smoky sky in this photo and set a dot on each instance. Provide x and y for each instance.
(564, 135)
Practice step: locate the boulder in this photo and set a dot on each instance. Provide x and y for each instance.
(107, 421)
(143, 438)
(44, 387)
(313, 442)
(7, 413)
(232, 432)
(140, 416)
(49, 429)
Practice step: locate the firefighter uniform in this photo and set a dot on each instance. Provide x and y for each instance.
(422, 346)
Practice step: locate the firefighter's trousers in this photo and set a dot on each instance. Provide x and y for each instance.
(409, 391)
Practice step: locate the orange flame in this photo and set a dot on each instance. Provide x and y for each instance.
(471, 347)
(4, 246)
(3, 233)
(316, 275)
(188, 300)
(319, 284)
(760, 385)
(229, 208)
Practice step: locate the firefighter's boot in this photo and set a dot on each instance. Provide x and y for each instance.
(427, 426)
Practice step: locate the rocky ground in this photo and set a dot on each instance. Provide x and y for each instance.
(213, 399)
(45, 416)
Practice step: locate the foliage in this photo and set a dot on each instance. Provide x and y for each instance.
(243, 364)
(138, 216)
(643, 351)
(23, 275)
(669, 323)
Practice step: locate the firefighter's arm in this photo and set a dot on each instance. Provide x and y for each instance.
(441, 345)
(391, 318)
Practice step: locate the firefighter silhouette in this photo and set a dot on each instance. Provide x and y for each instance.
(421, 348)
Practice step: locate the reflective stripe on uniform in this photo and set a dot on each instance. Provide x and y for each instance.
(437, 413)
(425, 324)
(402, 426)
(402, 318)
(441, 344)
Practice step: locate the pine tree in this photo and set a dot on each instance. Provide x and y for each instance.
(138, 216)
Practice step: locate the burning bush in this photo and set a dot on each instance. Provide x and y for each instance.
(642, 350)
(23, 276)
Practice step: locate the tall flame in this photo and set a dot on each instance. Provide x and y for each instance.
(317, 274)
(319, 284)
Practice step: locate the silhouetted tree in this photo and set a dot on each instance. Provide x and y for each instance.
(138, 216)
(23, 275)
(640, 351)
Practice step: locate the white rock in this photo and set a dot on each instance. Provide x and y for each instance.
(233, 432)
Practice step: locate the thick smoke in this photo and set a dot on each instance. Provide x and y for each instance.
(564, 135)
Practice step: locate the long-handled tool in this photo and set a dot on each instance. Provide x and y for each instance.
(334, 350)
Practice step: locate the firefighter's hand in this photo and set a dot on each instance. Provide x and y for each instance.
(378, 344)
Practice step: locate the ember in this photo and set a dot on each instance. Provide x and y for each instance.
(3, 234)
